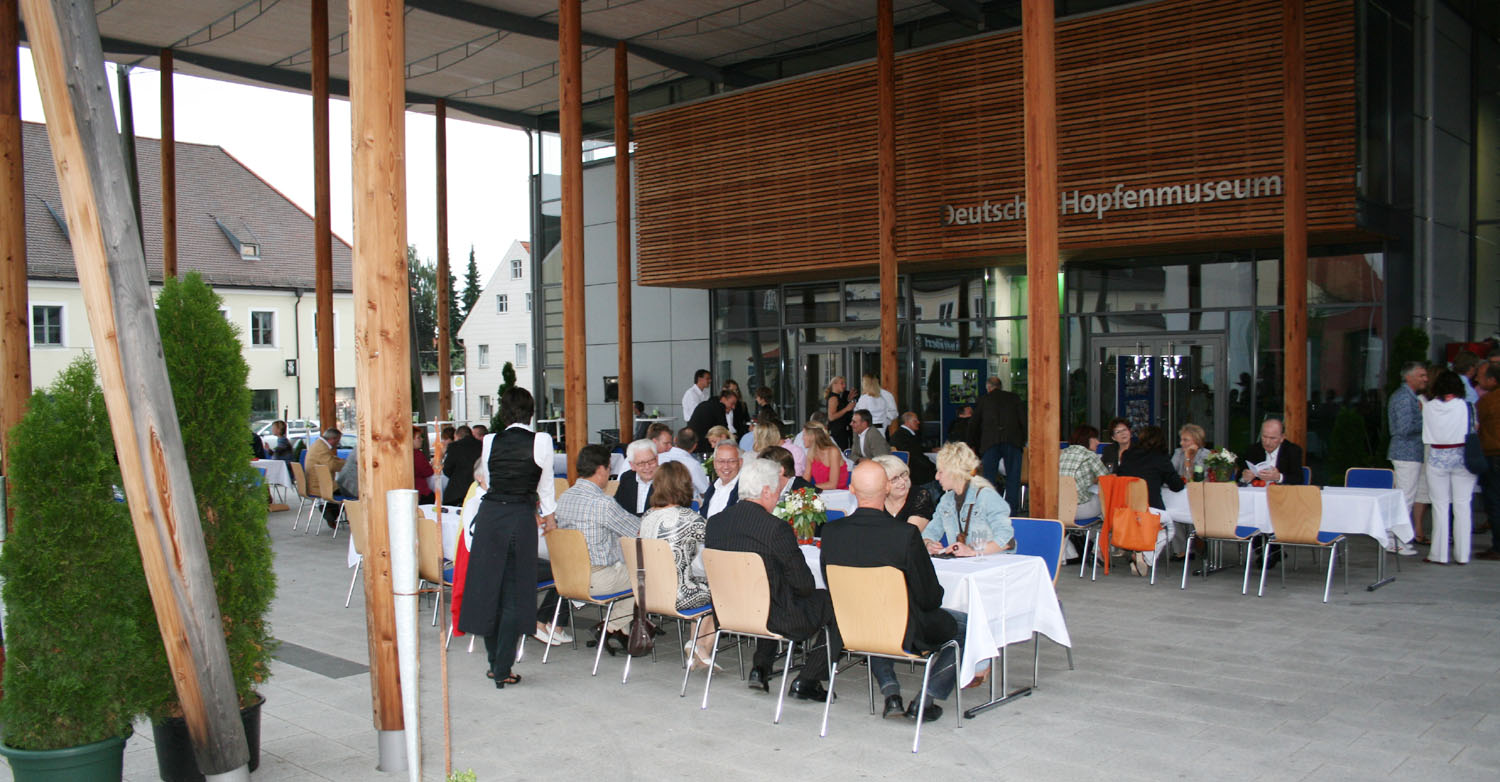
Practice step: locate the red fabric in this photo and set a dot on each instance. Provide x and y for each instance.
(1112, 494)
(820, 473)
(460, 573)
(423, 470)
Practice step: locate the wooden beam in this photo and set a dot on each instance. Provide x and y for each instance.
(1039, 87)
(623, 277)
(1294, 232)
(575, 362)
(322, 219)
(445, 393)
(382, 352)
(168, 169)
(15, 343)
(105, 238)
(885, 165)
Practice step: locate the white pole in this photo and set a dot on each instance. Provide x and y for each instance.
(401, 514)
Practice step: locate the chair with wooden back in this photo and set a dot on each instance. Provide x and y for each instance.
(569, 554)
(560, 485)
(1296, 516)
(612, 487)
(357, 528)
(661, 593)
(1067, 509)
(742, 603)
(1216, 514)
(304, 494)
(430, 561)
(870, 604)
(323, 491)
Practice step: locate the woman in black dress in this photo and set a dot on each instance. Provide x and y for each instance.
(1148, 460)
(1120, 443)
(500, 586)
(907, 503)
(840, 410)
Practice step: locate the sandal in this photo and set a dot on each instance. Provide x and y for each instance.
(514, 678)
(1425, 541)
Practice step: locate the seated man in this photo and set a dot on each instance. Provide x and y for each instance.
(1277, 459)
(790, 480)
(868, 442)
(459, 459)
(871, 537)
(725, 489)
(682, 452)
(325, 451)
(908, 438)
(634, 491)
(799, 610)
(586, 508)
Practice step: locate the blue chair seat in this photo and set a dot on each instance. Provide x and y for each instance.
(697, 611)
(1329, 537)
(1088, 522)
(1245, 532)
(612, 596)
(833, 515)
(548, 584)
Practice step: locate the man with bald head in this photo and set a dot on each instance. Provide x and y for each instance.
(871, 537)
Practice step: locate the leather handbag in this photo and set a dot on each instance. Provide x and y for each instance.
(642, 631)
(1134, 530)
(1474, 459)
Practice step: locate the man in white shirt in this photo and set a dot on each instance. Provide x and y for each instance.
(634, 489)
(697, 393)
(681, 452)
(868, 442)
(725, 489)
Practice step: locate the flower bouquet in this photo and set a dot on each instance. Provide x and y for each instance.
(708, 466)
(804, 510)
(1219, 465)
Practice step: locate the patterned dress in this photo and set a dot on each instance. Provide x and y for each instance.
(682, 529)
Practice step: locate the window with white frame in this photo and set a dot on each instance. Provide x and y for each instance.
(484, 356)
(521, 354)
(47, 325)
(517, 268)
(262, 328)
(502, 303)
(484, 406)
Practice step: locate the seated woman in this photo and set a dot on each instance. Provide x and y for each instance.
(826, 467)
(1120, 436)
(914, 507)
(769, 434)
(1187, 460)
(1148, 460)
(1082, 462)
(421, 469)
(671, 519)
(716, 435)
(971, 516)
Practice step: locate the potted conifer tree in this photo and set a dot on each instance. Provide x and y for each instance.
(79, 626)
(209, 385)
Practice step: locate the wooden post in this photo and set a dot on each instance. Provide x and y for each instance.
(168, 169)
(885, 166)
(1294, 231)
(382, 353)
(1043, 347)
(623, 278)
(15, 343)
(575, 362)
(322, 218)
(105, 238)
(445, 394)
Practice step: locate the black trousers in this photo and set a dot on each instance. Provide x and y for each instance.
(819, 608)
(500, 645)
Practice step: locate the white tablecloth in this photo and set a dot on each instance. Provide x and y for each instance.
(452, 527)
(839, 500)
(276, 473)
(1007, 596)
(1377, 513)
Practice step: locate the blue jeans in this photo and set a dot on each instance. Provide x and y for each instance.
(944, 670)
(1489, 484)
(1011, 456)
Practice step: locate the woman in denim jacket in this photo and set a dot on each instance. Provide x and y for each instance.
(971, 516)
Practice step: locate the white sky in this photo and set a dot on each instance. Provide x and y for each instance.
(270, 131)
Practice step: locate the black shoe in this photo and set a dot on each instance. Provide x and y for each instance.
(892, 706)
(809, 690)
(932, 713)
(760, 679)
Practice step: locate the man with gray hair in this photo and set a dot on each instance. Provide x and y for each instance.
(725, 489)
(799, 610)
(634, 491)
(324, 452)
(1404, 415)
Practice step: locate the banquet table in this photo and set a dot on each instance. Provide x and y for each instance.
(452, 527)
(276, 474)
(1007, 596)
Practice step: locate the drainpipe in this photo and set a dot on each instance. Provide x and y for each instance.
(297, 342)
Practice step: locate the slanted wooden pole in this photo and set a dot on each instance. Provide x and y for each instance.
(168, 169)
(885, 166)
(1040, 97)
(382, 352)
(622, 244)
(15, 344)
(445, 393)
(105, 238)
(1294, 230)
(575, 363)
(322, 218)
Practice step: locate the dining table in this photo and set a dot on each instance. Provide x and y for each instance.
(277, 475)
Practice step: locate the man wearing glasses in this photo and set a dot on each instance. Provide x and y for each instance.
(634, 490)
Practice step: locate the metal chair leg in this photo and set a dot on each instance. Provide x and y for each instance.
(786, 673)
(688, 669)
(828, 701)
(1187, 561)
(922, 702)
(609, 611)
(358, 564)
(552, 630)
(708, 681)
(1332, 560)
(1265, 556)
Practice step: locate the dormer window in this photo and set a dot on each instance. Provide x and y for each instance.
(240, 236)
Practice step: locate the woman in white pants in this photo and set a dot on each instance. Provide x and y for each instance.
(1445, 423)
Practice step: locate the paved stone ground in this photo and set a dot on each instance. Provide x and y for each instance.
(1396, 684)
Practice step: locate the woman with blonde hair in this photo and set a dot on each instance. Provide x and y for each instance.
(672, 519)
(912, 506)
(1191, 453)
(716, 435)
(826, 467)
(840, 411)
(972, 517)
(880, 402)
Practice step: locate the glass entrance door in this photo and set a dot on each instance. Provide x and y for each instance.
(1161, 381)
(820, 364)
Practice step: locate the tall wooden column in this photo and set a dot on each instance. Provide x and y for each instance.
(622, 244)
(15, 344)
(1294, 230)
(382, 352)
(575, 362)
(168, 169)
(885, 166)
(445, 393)
(1039, 60)
(322, 218)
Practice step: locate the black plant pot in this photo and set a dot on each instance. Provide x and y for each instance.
(174, 748)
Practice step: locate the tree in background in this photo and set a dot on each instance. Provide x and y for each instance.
(1410, 344)
(421, 278)
(471, 284)
(507, 382)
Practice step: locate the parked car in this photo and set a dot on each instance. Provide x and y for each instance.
(296, 429)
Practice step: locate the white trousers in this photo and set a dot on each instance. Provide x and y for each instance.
(1411, 479)
(1451, 487)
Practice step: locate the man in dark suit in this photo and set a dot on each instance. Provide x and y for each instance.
(711, 413)
(871, 537)
(867, 442)
(458, 465)
(906, 438)
(640, 426)
(634, 491)
(799, 610)
(997, 434)
(1273, 447)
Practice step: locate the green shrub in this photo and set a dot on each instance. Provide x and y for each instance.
(507, 382)
(79, 629)
(209, 386)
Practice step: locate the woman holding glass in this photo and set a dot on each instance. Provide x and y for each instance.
(972, 517)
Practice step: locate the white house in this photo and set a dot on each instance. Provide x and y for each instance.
(252, 245)
(498, 331)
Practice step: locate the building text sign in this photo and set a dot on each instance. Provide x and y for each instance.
(1101, 202)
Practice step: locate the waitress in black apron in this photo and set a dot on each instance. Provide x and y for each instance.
(500, 588)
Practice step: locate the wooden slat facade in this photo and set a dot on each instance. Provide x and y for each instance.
(780, 182)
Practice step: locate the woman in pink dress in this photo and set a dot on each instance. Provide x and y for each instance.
(826, 468)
